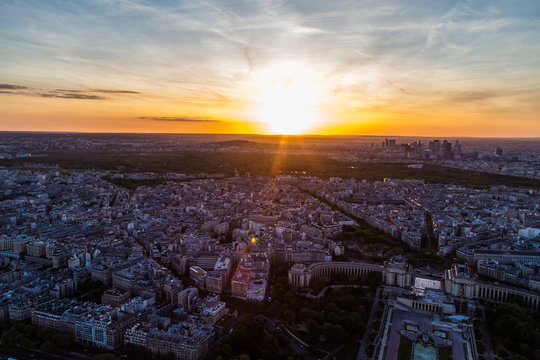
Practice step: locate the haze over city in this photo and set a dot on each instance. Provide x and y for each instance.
(437, 68)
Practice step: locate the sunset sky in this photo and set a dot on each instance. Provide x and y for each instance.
(427, 68)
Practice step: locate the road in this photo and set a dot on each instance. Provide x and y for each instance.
(363, 344)
(486, 337)
(297, 345)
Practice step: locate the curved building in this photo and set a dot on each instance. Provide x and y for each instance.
(300, 275)
(457, 282)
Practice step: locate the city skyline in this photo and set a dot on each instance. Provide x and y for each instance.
(195, 247)
(450, 69)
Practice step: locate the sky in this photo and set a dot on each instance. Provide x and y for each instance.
(426, 68)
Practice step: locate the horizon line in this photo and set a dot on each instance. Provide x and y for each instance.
(262, 134)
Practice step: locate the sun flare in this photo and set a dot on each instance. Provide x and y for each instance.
(289, 105)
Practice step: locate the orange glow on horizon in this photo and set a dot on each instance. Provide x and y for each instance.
(324, 115)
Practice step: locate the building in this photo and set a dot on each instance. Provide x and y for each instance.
(136, 335)
(240, 280)
(101, 326)
(301, 275)
(459, 282)
(19, 245)
(186, 297)
(198, 275)
(115, 297)
(6, 243)
(397, 272)
(215, 281)
(20, 311)
(187, 341)
(171, 288)
(249, 281)
(36, 249)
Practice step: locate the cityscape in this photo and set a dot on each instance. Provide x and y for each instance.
(163, 264)
(269, 180)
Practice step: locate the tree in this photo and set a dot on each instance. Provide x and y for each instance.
(501, 352)
(225, 351)
(518, 357)
(316, 284)
(47, 347)
(275, 309)
(31, 331)
(136, 351)
(327, 330)
(340, 334)
(167, 356)
(245, 320)
(304, 313)
(290, 298)
(348, 302)
(317, 317)
(278, 291)
(23, 342)
(333, 318)
(270, 343)
(63, 340)
(21, 327)
(9, 337)
(521, 331)
(526, 350)
(105, 356)
(334, 333)
(239, 337)
(44, 334)
(358, 321)
(373, 279)
(393, 251)
(314, 330)
(331, 307)
(288, 316)
(348, 323)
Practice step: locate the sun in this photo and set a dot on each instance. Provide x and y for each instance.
(287, 103)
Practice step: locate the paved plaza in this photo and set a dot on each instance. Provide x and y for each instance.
(426, 324)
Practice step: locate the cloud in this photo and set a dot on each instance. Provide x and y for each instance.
(9, 86)
(106, 91)
(473, 96)
(397, 87)
(70, 96)
(116, 91)
(178, 119)
(62, 93)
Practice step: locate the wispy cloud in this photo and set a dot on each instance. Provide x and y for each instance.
(117, 91)
(474, 96)
(9, 86)
(178, 119)
(61, 93)
(69, 96)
